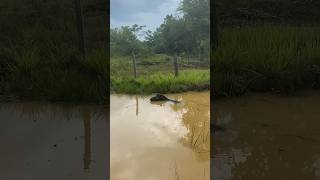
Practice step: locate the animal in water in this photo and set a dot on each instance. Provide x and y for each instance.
(161, 97)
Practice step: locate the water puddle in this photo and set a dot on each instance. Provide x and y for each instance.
(52, 141)
(160, 141)
(267, 137)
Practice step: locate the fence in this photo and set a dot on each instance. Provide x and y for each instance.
(139, 65)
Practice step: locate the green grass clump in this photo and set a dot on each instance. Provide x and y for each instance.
(69, 77)
(188, 80)
(266, 58)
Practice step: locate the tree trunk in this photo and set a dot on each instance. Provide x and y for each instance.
(134, 65)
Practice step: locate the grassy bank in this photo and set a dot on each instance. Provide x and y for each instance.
(268, 58)
(188, 80)
(155, 74)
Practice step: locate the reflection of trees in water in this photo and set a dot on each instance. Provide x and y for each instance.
(137, 106)
(44, 113)
(87, 138)
(34, 110)
(195, 118)
(177, 174)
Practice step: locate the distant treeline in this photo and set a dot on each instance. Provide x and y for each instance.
(186, 34)
(235, 12)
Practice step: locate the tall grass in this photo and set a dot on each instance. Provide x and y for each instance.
(188, 80)
(39, 57)
(266, 58)
(69, 77)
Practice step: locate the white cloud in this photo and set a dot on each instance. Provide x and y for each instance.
(142, 12)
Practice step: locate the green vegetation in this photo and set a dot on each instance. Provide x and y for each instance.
(155, 74)
(188, 80)
(39, 54)
(263, 45)
(294, 12)
(182, 40)
(70, 78)
(266, 46)
(266, 58)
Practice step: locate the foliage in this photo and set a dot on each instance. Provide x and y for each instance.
(188, 80)
(39, 56)
(124, 40)
(185, 36)
(266, 58)
(235, 12)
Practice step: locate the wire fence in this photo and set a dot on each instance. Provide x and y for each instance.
(140, 65)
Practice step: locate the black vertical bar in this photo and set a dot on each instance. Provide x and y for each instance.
(80, 24)
(213, 45)
(107, 43)
(213, 25)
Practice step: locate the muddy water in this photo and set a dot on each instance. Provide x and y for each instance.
(267, 137)
(160, 141)
(43, 141)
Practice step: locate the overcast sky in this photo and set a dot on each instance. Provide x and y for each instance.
(142, 12)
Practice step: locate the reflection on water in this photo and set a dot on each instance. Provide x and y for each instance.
(267, 137)
(160, 140)
(45, 141)
(87, 139)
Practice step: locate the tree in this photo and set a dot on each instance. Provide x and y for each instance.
(196, 14)
(124, 40)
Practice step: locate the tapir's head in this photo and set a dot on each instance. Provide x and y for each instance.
(158, 97)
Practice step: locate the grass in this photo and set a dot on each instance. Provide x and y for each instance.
(188, 80)
(266, 58)
(155, 75)
(61, 75)
(42, 61)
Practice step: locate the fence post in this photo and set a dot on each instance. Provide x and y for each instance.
(175, 65)
(134, 65)
(80, 26)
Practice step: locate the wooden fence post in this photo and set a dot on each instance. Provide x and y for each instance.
(134, 65)
(175, 65)
(80, 26)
